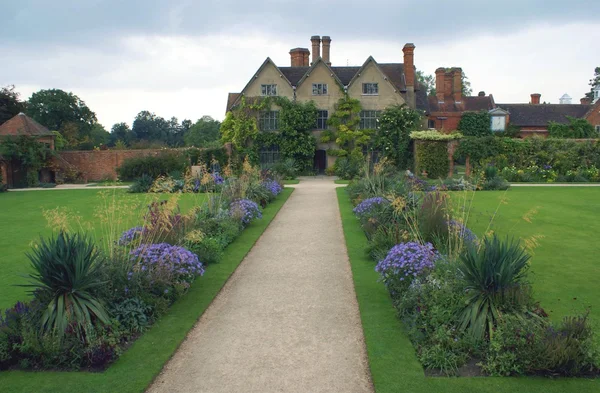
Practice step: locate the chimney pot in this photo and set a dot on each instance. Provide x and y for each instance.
(326, 40)
(440, 88)
(535, 98)
(457, 84)
(585, 101)
(409, 65)
(299, 57)
(316, 47)
(481, 94)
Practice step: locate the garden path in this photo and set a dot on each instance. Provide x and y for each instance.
(288, 319)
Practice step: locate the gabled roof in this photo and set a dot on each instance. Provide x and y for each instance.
(370, 59)
(231, 99)
(263, 65)
(22, 124)
(530, 115)
(468, 103)
(313, 66)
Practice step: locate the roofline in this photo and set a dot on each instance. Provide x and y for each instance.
(313, 66)
(263, 65)
(385, 77)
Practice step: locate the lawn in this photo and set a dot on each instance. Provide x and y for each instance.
(136, 369)
(564, 277)
(22, 221)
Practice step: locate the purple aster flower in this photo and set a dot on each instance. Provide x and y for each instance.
(463, 232)
(368, 206)
(273, 186)
(406, 261)
(246, 210)
(217, 178)
(130, 235)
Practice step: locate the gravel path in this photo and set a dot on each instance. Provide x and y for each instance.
(287, 320)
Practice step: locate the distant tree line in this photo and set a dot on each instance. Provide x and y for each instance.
(77, 128)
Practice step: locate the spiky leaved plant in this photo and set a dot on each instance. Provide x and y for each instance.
(494, 275)
(66, 270)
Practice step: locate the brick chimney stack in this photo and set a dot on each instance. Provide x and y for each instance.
(316, 48)
(440, 79)
(409, 73)
(457, 84)
(299, 57)
(535, 98)
(585, 101)
(326, 47)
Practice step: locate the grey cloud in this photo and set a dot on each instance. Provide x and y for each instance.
(90, 21)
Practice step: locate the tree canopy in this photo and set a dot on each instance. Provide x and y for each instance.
(10, 103)
(595, 81)
(203, 133)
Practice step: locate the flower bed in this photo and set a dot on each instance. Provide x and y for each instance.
(464, 301)
(90, 303)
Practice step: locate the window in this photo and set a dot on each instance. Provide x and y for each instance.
(319, 89)
(370, 89)
(498, 123)
(322, 120)
(269, 156)
(268, 90)
(369, 120)
(268, 120)
(431, 124)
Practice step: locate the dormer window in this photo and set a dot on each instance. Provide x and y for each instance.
(370, 89)
(319, 89)
(268, 90)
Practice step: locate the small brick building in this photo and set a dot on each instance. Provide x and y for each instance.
(13, 174)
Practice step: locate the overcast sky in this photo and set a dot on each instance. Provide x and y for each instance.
(181, 57)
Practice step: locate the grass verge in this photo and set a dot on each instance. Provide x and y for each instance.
(340, 181)
(294, 181)
(136, 369)
(392, 361)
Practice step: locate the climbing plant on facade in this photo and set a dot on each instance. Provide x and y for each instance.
(393, 137)
(345, 130)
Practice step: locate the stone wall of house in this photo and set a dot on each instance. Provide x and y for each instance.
(96, 165)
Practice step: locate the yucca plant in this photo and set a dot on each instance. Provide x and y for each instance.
(66, 270)
(494, 275)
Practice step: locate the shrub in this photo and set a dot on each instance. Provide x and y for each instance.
(132, 314)
(66, 270)
(494, 275)
(245, 211)
(476, 124)
(346, 168)
(153, 166)
(403, 263)
(208, 249)
(431, 158)
(258, 193)
(287, 169)
(577, 128)
(141, 184)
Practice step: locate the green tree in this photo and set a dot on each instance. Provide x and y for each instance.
(475, 124)
(62, 111)
(122, 132)
(203, 133)
(428, 81)
(150, 127)
(393, 137)
(10, 103)
(467, 90)
(577, 128)
(298, 119)
(595, 81)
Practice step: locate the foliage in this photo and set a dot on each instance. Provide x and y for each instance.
(142, 184)
(403, 263)
(345, 121)
(393, 137)
(494, 275)
(432, 135)
(347, 168)
(239, 127)
(212, 157)
(65, 274)
(203, 132)
(594, 82)
(286, 168)
(152, 165)
(427, 81)
(475, 124)
(147, 126)
(431, 158)
(132, 314)
(10, 103)
(32, 154)
(577, 129)
(245, 211)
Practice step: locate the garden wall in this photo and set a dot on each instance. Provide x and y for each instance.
(96, 165)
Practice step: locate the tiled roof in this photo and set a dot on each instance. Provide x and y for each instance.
(231, 98)
(421, 99)
(528, 115)
(22, 124)
(293, 74)
(395, 74)
(469, 103)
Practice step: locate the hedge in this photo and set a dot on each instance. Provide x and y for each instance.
(153, 166)
(432, 157)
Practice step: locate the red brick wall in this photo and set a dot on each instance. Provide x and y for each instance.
(448, 124)
(96, 165)
(594, 115)
(527, 132)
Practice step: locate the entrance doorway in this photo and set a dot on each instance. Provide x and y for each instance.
(320, 161)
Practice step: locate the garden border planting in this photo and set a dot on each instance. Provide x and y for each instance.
(139, 365)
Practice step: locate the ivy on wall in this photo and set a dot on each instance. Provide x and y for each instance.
(431, 157)
(294, 138)
(475, 124)
(393, 137)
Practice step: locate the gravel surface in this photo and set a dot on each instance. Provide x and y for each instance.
(287, 320)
